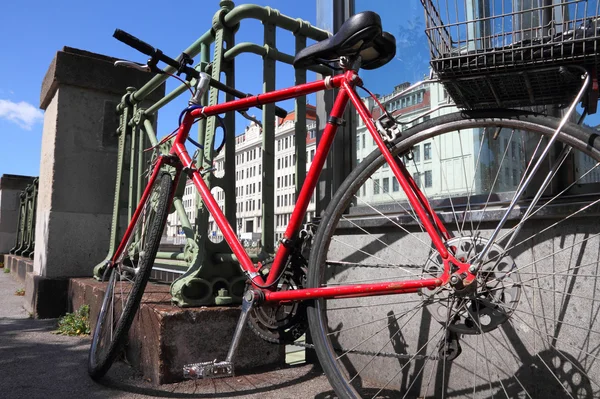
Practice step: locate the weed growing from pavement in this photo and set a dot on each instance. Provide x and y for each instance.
(6, 270)
(20, 292)
(76, 323)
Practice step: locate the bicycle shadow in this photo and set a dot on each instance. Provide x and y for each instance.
(256, 382)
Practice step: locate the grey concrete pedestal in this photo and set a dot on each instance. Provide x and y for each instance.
(80, 93)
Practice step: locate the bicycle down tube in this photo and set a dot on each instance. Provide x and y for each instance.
(345, 83)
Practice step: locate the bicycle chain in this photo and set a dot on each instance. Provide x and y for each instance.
(379, 266)
(372, 353)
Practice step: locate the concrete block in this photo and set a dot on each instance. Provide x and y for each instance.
(24, 266)
(10, 189)
(78, 160)
(45, 298)
(79, 242)
(164, 338)
(13, 264)
(19, 266)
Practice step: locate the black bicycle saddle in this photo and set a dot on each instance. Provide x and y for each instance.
(362, 35)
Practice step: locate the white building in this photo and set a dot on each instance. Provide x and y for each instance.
(444, 166)
(248, 186)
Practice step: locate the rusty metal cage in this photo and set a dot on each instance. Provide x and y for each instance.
(512, 53)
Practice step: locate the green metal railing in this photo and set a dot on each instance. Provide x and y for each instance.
(211, 275)
(25, 240)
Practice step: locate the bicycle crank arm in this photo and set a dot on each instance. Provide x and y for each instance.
(216, 369)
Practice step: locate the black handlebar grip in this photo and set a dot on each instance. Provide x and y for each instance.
(134, 42)
(280, 112)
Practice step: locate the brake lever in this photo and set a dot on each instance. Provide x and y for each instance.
(250, 118)
(129, 64)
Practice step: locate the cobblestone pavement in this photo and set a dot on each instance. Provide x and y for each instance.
(35, 363)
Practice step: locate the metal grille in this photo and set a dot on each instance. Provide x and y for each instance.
(492, 53)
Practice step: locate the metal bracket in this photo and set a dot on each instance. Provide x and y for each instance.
(334, 120)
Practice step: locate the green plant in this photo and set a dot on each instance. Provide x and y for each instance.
(20, 292)
(76, 323)
(6, 270)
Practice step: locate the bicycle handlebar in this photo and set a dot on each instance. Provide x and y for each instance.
(155, 53)
(134, 42)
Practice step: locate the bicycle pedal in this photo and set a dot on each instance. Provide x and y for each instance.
(212, 369)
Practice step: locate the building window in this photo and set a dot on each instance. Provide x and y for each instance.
(428, 179)
(417, 179)
(386, 185)
(395, 184)
(376, 186)
(417, 153)
(427, 151)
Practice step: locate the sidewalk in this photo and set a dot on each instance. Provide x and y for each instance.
(34, 363)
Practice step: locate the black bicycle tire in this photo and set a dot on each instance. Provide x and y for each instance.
(97, 368)
(573, 134)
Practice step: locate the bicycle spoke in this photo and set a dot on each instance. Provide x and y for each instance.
(371, 255)
(544, 336)
(419, 306)
(458, 229)
(390, 339)
(392, 221)
(518, 269)
(408, 362)
(494, 183)
(471, 189)
(379, 240)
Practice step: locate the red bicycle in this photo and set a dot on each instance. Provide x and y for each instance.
(469, 276)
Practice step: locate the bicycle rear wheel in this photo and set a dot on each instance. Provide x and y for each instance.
(531, 325)
(128, 278)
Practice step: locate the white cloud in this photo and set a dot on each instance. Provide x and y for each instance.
(23, 114)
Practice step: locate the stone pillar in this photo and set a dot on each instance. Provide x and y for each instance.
(80, 93)
(10, 188)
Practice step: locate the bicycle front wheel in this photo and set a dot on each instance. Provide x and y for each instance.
(128, 278)
(529, 327)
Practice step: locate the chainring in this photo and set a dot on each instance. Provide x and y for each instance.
(282, 323)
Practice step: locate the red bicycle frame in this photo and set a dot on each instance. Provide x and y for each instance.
(346, 83)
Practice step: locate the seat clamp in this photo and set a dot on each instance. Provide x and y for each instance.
(328, 84)
(334, 120)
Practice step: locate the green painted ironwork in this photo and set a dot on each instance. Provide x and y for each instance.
(213, 275)
(25, 239)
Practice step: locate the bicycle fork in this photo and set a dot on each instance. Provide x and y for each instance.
(220, 369)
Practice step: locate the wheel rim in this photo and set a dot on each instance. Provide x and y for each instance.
(547, 328)
(119, 296)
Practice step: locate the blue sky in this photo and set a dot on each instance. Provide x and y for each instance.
(33, 31)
